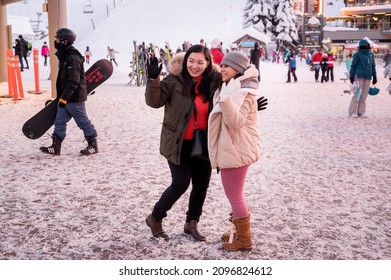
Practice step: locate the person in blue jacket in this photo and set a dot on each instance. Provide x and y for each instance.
(291, 60)
(364, 68)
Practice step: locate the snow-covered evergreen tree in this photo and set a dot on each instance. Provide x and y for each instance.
(285, 30)
(274, 18)
(259, 14)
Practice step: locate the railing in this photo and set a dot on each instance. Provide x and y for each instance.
(368, 25)
(367, 3)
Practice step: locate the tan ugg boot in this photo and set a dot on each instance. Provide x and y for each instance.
(243, 236)
(232, 231)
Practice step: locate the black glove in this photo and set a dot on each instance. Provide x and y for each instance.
(351, 80)
(374, 81)
(262, 102)
(153, 68)
(62, 103)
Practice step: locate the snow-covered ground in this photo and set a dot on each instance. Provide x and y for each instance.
(320, 191)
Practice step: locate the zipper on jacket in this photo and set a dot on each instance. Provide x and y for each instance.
(218, 170)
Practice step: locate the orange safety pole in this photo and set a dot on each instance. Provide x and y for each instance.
(19, 77)
(15, 86)
(11, 72)
(36, 70)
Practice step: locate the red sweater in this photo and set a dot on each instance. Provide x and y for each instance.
(202, 113)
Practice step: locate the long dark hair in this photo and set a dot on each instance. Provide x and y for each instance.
(204, 87)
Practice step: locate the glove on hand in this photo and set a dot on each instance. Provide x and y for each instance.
(351, 80)
(374, 80)
(153, 68)
(262, 102)
(62, 103)
(228, 88)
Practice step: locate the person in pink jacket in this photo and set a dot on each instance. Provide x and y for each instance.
(45, 53)
(234, 141)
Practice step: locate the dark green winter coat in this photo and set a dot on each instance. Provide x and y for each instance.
(363, 64)
(178, 108)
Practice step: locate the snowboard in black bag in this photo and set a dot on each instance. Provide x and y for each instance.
(37, 125)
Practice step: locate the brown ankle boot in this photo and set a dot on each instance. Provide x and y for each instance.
(243, 236)
(191, 228)
(156, 227)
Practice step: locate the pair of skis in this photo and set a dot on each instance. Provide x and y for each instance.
(138, 74)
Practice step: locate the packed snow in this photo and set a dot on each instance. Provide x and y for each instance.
(320, 191)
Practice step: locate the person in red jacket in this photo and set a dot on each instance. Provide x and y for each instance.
(316, 59)
(216, 51)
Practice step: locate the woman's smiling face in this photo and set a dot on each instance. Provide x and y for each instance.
(227, 72)
(196, 64)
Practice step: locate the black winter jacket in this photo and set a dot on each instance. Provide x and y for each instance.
(19, 49)
(71, 82)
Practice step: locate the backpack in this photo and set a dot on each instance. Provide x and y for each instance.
(28, 46)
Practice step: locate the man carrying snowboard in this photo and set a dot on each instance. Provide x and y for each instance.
(71, 89)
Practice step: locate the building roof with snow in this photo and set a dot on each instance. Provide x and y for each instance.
(251, 35)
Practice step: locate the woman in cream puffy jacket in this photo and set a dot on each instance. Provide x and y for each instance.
(233, 140)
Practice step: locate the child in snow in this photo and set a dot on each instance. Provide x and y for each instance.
(88, 54)
(111, 54)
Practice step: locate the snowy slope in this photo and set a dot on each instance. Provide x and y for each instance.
(152, 21)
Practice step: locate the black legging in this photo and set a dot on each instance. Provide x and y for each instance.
(330, 74)
(199, 172)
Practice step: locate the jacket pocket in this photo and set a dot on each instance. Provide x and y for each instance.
(168, 140)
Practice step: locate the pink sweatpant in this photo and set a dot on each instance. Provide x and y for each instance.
(233, 182)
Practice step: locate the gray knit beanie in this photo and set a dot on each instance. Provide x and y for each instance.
(237, 61)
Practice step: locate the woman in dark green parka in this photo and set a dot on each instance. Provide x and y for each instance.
(189, 86)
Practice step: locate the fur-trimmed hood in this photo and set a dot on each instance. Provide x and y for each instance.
(175, 66)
